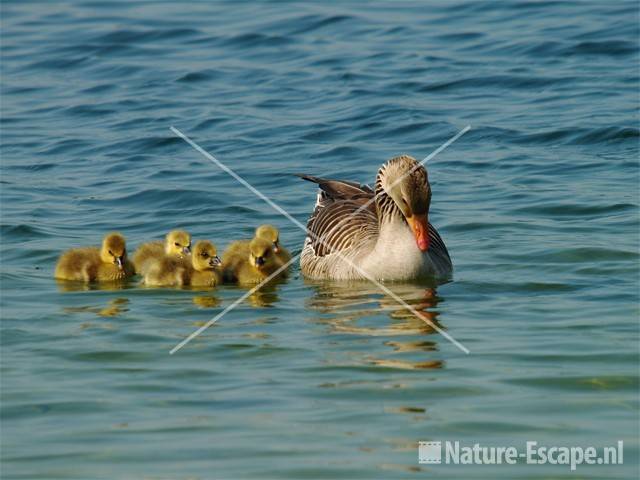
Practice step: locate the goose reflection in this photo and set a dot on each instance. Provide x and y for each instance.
(355, 308)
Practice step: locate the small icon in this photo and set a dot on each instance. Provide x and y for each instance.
(430, 452)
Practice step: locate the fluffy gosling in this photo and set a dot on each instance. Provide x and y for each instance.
(108, 263)
(271, 234)
(201, 270)
(252, 263)
(177, 243)
(205, 263)
(237, 251)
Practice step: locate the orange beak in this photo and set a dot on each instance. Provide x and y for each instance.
(420, 226)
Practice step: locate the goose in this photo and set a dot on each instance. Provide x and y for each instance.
(383, 233)
(201, 269)
(108, 263)
(177, 243)
(252, 263)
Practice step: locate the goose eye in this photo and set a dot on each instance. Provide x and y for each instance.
(204, 254)
(110, 252)
(177, 244)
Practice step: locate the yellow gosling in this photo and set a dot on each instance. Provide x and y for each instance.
(177, 243)
(238, 251)
(205, 263)
(252, 264)
(271, 234)
(202, 269)
(233, 256)
(166, 271)
(108, 263)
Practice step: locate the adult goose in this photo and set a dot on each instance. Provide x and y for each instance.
(383, 233)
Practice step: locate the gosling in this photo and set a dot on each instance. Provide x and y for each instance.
(177, 244)
(271, 234)
(237, 251)
(205, 264)
(252, 263)
(109, 263)
(201, 270)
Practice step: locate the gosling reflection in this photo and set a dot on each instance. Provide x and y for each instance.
(75, 286)
(206, 301)
(355, 308)
(114, 308)
(265, 296)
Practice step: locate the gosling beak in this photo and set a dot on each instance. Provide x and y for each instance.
(215, 261)
(259, 261)
(276, 247)
(186, 250)
(118, 262)
(420, 226)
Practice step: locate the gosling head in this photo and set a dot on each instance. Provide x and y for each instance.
(205, 256)
(114, 250)
(406, 182)
(178, 242)
(271, 234)
(261, 254)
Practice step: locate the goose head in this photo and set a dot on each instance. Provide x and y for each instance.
(177, 242)
(205, 256)
(406, 182)
(261, 255)
(114, 250)
(271, 234)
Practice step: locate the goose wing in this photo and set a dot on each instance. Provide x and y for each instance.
(339, 188)
(438, 248)
(344, 216)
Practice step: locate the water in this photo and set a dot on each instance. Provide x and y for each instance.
(538, 204)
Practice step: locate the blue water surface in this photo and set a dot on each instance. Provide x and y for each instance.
(538, 204)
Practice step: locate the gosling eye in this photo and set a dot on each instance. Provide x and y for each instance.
(111, 253)
(204, 254)
(177, 244)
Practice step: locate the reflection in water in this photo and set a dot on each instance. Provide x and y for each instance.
(263, 297)
(72, 286)
(206, 301)
(114, 308)
(355, 307)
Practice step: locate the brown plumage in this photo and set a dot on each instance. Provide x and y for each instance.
(108, 263)
(355, 232)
